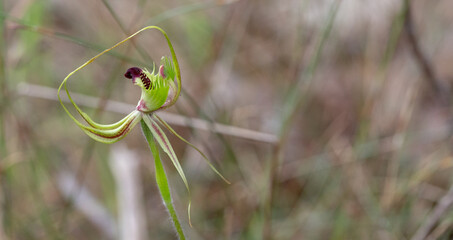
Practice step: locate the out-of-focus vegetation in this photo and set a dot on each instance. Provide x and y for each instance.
(355, 95)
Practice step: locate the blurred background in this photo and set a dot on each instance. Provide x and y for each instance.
(332, 119)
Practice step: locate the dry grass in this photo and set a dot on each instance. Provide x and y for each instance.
(363, 151)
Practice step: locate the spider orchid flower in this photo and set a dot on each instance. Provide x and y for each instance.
(160, 89)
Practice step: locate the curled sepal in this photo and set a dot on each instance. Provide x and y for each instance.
(111, 133)
(163, 142)
(106, 126)
(191, 145)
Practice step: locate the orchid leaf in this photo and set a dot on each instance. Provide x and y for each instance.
(162, 181)
(191, 145)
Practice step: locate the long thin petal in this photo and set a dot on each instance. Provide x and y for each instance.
(162, 181)
(190, 144)
(162, 139)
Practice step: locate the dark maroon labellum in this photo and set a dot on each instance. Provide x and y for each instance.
(133, 72)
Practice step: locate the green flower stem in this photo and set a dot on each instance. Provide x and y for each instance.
(162, 181)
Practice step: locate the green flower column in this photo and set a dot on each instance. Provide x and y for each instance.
(157, 88)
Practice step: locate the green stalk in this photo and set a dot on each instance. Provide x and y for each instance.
(162, 181)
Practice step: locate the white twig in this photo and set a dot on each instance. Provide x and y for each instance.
(125, 169)
(43, 92)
